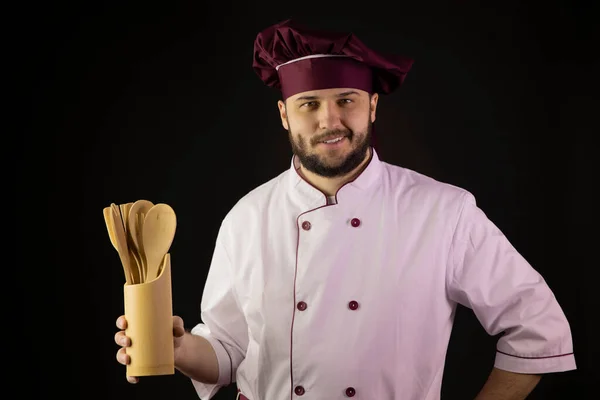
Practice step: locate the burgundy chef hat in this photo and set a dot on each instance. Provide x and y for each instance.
(294, 59)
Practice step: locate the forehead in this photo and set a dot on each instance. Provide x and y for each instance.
(327, 93)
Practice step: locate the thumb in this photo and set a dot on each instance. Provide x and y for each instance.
(178, 327)
(178, 331)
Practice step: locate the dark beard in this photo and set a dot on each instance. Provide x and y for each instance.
(313, 164)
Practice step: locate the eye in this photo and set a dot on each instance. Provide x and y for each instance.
(345, 101)
(309, 104)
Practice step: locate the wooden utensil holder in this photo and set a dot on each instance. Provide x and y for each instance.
(149, 314)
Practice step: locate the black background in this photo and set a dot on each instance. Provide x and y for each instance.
(120, 101)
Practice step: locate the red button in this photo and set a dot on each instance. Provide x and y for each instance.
(306, 225)
(353, 305)
(355, 222)
(301, 306)
(299, 390)
(350, 392)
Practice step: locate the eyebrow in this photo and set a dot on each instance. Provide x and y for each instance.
(343, 94)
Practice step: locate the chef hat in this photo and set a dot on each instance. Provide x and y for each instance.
(296, 59)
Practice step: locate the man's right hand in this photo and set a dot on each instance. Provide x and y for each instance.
(122, 340)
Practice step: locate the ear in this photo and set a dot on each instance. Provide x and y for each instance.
(283, 114)
(374, 99)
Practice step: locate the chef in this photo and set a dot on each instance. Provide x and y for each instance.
(340, 277)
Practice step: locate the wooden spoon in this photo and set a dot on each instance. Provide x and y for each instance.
(116, 225)
(158, 232)
(135, 221)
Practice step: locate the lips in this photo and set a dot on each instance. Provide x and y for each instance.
(333, 140)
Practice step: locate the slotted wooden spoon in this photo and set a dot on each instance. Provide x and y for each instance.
(135, 221)
(158, 232)
(134, 258)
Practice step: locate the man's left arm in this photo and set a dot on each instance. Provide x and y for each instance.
(509, 297)
(506, 385)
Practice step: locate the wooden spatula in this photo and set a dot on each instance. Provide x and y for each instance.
(118, 238)
(158, 232)
(109, 226)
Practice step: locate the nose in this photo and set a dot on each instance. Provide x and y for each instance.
(329, 116)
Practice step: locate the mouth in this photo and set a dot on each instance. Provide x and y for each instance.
(334, 140)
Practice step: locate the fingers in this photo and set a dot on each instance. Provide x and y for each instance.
(121, 322)
(121, 339)
(124, 341)
(122, 357)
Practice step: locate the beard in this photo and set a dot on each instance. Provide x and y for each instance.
(318, 164)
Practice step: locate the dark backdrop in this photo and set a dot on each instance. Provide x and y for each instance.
(119, 101)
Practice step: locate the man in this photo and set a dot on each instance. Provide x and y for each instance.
(340, 277)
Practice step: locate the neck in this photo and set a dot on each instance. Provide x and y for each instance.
(330, 186)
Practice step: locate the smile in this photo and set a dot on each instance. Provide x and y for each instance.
(333, 140)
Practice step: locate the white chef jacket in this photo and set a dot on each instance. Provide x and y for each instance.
(306, 300)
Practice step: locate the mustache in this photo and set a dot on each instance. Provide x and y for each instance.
(331, 135)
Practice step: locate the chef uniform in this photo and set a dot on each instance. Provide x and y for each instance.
(354, 296)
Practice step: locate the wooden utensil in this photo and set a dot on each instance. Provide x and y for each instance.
(109, 226)
(135, 222)
(158, 232)
(118, 238)
(134, 259)
(110, 222)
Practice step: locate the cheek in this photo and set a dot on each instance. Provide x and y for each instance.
(356, 115)
(302, 126)
(359, 123)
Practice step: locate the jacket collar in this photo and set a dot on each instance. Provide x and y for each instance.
(314, 197)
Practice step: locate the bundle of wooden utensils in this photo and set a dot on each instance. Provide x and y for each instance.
(142, 233)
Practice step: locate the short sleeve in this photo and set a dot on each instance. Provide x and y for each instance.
(507, 295)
